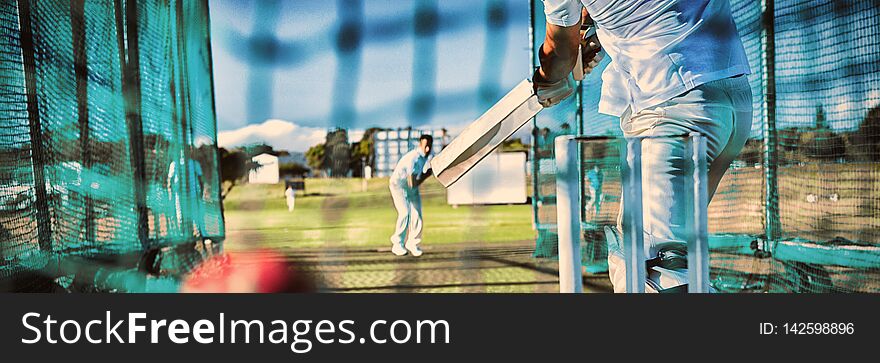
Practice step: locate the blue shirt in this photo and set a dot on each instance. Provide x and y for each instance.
(410, 164)
(595, 178)
(659, 49)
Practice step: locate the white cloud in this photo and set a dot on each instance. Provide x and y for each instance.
(280, 134)
(355, 135)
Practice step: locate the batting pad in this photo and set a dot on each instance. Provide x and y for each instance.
(486, 133)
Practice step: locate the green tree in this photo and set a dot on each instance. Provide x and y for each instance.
(234, 166)
(315, 157)
(821, 123)
(295, 170)
(365, 147)
(821, 144)
(864, 143)
(337, 153)
(257, 149)
(514, 145)
(362, 151)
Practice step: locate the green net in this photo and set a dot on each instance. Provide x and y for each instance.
(108, 132)
(827, 94)
(547, 125)
(798, 211)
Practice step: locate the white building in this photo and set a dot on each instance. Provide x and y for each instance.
(500, 178)
(267, 172)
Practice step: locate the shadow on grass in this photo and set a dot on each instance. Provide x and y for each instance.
(318, 195)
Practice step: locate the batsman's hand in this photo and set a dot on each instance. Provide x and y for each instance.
(591, 53)
(551, 93)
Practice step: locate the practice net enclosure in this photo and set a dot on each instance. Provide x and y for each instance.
(107, 133)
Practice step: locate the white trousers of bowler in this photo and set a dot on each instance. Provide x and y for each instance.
(721, 111)
(408, 202)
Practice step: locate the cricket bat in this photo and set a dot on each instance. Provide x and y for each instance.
(486, 133)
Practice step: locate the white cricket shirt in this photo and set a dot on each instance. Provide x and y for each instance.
(411, 163)
(659, 49)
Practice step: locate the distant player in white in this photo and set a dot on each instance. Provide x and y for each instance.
(676, 67)
(411, 170)
(595, 177)
(291, 198)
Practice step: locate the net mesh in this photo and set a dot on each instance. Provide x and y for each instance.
(547, 125)
(80, 90)
(827, 90)
(798, 211)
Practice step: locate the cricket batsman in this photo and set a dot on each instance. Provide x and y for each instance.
(677, 66)
(412, 169)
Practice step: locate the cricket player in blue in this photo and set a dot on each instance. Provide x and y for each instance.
(412, 169)
(677, 66)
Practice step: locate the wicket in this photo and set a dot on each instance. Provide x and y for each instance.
(569, 217)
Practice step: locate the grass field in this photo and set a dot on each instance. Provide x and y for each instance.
(339, 225)
(339, 233)
(351, 213)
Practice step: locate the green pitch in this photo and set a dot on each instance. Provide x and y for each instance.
(348, 213)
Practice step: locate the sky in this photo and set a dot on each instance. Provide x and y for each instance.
(283, 74)
(287, 70)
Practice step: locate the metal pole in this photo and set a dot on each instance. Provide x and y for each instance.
(536, 222)
(579, 120)
(78, 39)
(127, 39)
(568, 214)
(633, 230)
(39, 154)
(771, 158)
(698, 245)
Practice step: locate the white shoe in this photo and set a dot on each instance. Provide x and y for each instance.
(414, 250)
(398, 250)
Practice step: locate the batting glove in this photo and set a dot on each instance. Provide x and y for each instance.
(551, 93)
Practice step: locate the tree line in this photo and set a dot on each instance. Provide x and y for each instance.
(821, 143)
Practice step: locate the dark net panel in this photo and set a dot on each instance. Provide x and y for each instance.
(178, 122)
(18, 222)
(56, 90)
(202, 119)
(164, 137)
(73, 136)
(78, 158)
(828, 91)
(110, 203)
(547, 125)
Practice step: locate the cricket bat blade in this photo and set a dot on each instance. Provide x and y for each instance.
(486, 133)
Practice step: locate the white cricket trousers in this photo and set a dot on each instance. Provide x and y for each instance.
(408, 202)
(721, 111)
